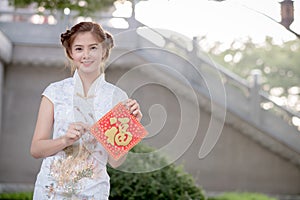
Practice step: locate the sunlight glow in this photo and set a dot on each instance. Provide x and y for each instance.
(41, 9)
(37, 19)
(294, 90)
(280, 101)
(296, 121)
(120, 23)
(51, 20)
(277, 91)
(67, 11)
(83, 19)
(267, 105)
(220, 21)
(123, 9)
(82, 3)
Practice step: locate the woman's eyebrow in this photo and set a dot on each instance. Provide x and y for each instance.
(80, 45)
(94, 44)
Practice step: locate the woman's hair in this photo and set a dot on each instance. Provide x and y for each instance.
(67, 38)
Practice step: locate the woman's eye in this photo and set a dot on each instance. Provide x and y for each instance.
(94, 48)
(78, 49)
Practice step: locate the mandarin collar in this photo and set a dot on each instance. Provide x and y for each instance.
(94, 87)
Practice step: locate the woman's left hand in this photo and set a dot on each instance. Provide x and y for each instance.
(134, 108)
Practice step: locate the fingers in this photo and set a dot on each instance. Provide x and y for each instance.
(73, 134)
(78, 128)
(132, 105)
(75, 131)
(84, 126)
(134, 108)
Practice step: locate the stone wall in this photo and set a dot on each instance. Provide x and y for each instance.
(235, 163)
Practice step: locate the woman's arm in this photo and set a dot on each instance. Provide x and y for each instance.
(42, 144)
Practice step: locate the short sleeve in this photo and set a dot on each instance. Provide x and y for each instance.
(123, 96)
(119, 96)
(49, 93)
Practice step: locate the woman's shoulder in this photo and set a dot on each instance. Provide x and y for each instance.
(58, 89)
(112, 87)
(62, 83)
(113, 91)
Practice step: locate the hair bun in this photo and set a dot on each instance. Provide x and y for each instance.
(109, 40)
(65, 36)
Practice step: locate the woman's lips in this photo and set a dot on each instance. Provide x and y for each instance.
(87, 63)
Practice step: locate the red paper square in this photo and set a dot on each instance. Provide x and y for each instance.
(118, 131)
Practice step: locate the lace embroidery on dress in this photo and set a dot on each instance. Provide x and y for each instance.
(80, 160)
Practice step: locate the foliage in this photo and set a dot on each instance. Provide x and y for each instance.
(17, 196)
(241, 196)
(279, 64)
(170, 183)
(84, 7)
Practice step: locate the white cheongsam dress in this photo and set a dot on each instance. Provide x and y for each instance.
(78, 171)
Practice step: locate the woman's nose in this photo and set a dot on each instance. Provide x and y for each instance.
(86, 53)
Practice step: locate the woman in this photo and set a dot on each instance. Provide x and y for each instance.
(74, 165)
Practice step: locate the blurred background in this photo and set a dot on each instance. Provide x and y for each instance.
(225, 74)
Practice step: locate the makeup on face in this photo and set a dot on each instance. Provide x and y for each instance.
(87, 52)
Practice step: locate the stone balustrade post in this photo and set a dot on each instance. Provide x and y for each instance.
(195, 46)
(255, 100)
(6, 49)
(1, 92)
(195, 51)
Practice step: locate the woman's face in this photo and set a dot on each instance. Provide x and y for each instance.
(87, 53)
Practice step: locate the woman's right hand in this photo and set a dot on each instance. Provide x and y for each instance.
(74, 132)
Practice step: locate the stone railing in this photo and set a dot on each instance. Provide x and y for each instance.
(251, 90)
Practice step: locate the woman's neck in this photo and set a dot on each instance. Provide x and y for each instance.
(87, 80)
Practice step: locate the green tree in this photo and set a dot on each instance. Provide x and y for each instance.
(279, 63)
(84, 7)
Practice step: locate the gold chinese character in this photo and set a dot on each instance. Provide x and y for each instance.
(120, 136)
(111, 133)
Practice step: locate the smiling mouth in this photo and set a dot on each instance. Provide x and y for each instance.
(87, 62)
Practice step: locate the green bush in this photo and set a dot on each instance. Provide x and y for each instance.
(170, 183)
(17, 196)
(241, 196)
